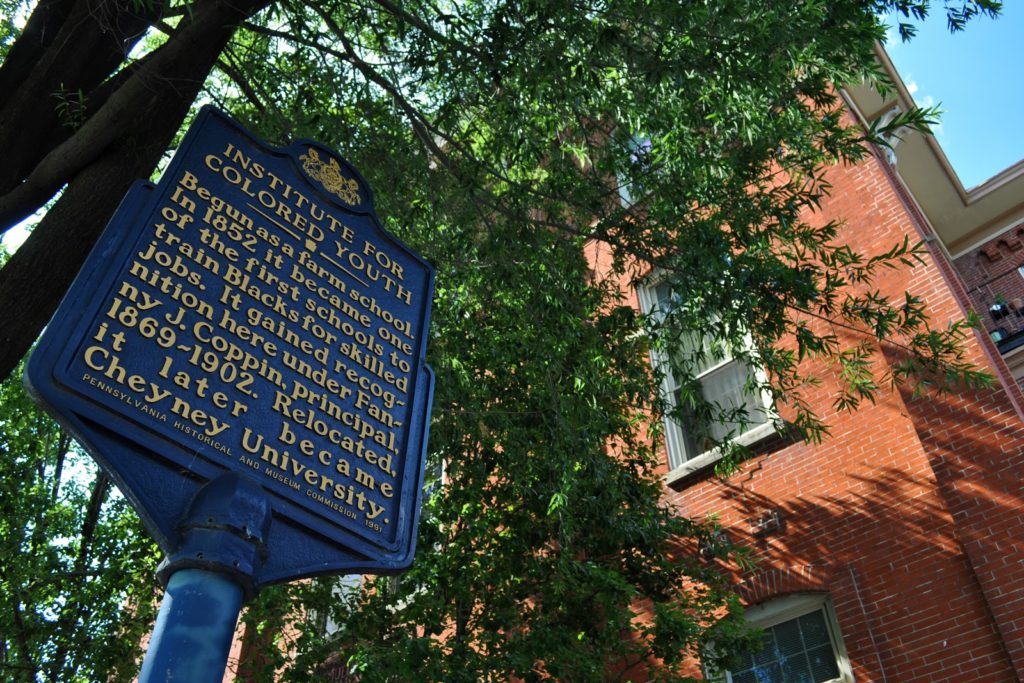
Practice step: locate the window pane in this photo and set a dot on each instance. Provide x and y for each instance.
(823, 664)
(795, 670)
(745, 677)
(746, 661)
(724, 386)
(696, 353)
(721, 382)
(769, 674)
(690, 445)
(662, 294)
(766, 655)
(787, 635)
(814, 629)
(792, 652)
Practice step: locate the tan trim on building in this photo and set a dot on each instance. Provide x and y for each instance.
(962, 218)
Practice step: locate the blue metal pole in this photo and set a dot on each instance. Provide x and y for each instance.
(193, 631)
(222, 546)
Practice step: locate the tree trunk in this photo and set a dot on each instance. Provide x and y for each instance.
(142, 117)
(67, 50)
(44, 22)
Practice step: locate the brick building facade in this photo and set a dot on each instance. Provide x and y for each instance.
(894, 550)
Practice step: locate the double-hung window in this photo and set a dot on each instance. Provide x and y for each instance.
(344, 591)
(640, 164)
(801, 644)
(724, 381)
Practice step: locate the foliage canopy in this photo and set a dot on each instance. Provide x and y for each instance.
(76, 577)
(505, 139)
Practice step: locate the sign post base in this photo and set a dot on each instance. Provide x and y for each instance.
(193, 631)
(206, 581)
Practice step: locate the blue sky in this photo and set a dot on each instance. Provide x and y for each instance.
(976, 77)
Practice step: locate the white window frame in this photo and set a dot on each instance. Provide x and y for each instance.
(637, 145)
(790, 607)
(681, 463)
(345, 589)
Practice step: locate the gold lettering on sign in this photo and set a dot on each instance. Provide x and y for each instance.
(272, 332)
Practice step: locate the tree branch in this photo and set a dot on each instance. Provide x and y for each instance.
(238, 78)
(21, 636)
(116, 114)
(399, 13)
(71, 613)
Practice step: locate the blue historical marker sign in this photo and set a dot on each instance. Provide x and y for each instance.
(249, 314)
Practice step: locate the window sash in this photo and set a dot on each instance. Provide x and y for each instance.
(717, 365)
(798, 650)
(821, 644)
(639, 148)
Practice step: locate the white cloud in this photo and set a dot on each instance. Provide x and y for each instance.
(892, 35)
(892, 39)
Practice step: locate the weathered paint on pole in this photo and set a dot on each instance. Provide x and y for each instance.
(193, 631)
(222, 545)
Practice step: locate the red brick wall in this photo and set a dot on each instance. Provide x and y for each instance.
(911, 516)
